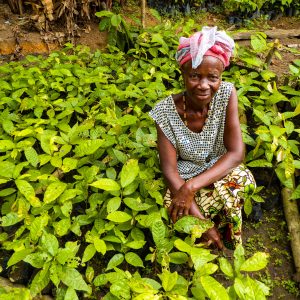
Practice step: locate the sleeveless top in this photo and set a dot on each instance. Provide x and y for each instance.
(196, 151)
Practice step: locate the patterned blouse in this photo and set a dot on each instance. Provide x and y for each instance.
(196, 151)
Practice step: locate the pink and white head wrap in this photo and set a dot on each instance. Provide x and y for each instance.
(208, 41)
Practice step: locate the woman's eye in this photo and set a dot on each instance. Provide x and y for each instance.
(214, 78)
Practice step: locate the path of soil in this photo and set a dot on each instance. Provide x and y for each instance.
(18, 37)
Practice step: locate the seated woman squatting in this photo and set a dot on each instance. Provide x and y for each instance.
(200, 142)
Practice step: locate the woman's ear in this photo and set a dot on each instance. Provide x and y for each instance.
(182, 70)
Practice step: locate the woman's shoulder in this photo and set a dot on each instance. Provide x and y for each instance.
(226, 85)
(165, 103)
(162, 108)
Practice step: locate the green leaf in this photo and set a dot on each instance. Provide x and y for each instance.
(54, 190)
(257, 198)
(168, 279)
(49, 243)
(255, 263)
(103, 13)
(288, 182)
(239, 257)
(178, 258)
(18, 256)
(113, 204)
(56, 161)
(187, 224)
(296, 193)
(7, 169)
(27, 190)
(182, 246)
(121, 157)
(248, 206)
(62, 227)
(262, 116)
(106, 184)
(127, 120)
(119, 217)
(40, 281)
(88, 147)
(31, 156)
(121, 290)
(259, 163)
(73, 279)
(136, 244)
(133, 259)
(100, 245)
(200, 257)
(6, 145)
(213, 288)
(69, 194)
(159, 233)
(289, 126)
(7, 192)
(276, 130)
(116, 260)
(69, 164)
(129, 172)
(136, 204)
(207, 269)
(226, 267)
(37, 260)
(37, 226)
(115, 20)
(100, 280)
(89, 252)
(242, 290)
(10, 219)
(71, 294)
(267, 74)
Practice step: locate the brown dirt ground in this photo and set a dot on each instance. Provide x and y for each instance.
(270, 234)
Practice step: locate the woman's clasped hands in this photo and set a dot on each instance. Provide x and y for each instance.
(183, 204)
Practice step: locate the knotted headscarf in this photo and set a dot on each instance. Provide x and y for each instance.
(208, 41)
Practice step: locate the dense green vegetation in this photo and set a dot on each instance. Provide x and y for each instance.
(234, 9)
(81, 189)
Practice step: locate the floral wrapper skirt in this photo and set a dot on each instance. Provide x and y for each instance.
(222, 202)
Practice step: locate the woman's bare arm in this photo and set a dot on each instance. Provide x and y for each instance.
(168, 162)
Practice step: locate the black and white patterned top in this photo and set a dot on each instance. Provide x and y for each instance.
(196, 152)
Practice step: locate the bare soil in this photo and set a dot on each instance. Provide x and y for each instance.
(20, 36)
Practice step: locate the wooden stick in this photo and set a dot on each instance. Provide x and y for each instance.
(291, 213)
(292, 216)
(277, 33)
(143, 11)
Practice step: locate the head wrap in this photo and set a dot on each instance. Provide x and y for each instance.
(208, 41)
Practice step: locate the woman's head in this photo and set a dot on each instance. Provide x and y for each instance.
(207, 42)
(203, 82)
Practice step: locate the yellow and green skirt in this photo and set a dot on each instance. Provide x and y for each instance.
(222, 202)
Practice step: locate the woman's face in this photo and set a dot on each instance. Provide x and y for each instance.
(203, 82)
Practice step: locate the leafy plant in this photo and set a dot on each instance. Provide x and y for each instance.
(118, 31)
(80, 177)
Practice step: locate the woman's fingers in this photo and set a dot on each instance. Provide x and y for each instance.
(214, 235)
(186, 211)
(176, 212)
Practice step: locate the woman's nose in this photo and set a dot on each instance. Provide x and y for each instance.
(203, 84)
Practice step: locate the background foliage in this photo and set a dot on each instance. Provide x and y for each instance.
(72, 13)
(81, 190)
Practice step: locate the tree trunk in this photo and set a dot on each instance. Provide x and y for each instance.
(292, 216)
(143, 11)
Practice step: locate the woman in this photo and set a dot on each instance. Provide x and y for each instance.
(199, 140)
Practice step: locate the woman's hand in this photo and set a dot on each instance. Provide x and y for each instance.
(181, 203)
(212, 236)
